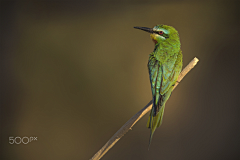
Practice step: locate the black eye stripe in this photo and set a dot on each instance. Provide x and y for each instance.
(164, 34)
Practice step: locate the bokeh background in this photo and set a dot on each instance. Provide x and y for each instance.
(73, 72)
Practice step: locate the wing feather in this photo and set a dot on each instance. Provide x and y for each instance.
(155, 75)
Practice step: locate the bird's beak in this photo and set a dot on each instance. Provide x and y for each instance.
(150, 30)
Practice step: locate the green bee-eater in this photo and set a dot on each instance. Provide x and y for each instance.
(164, 66)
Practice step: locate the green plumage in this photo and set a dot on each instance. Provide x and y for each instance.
(164, 65)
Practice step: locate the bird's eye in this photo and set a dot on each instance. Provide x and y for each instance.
(161, 32)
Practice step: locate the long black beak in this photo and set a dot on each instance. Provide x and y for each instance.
(150, 30)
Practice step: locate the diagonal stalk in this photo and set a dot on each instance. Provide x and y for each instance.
(131, 122)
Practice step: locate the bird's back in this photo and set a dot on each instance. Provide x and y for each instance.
(164, 69)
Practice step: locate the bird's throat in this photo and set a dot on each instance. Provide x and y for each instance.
(153, 38)
(155, 41)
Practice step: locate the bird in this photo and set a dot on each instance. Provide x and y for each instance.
(164, 67)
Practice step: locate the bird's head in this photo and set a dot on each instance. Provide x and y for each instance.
(162, 33)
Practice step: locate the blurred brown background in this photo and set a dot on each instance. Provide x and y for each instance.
(73, 72)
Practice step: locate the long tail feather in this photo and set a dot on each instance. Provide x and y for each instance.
(154, 122)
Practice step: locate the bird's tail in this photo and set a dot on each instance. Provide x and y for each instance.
(154, 122)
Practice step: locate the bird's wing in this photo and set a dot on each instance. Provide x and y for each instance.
(155, 74)
(162, 77)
